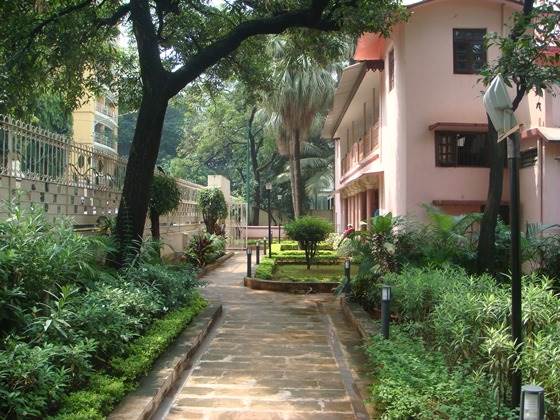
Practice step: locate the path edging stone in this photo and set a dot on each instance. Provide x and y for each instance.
(289, 286)
(142, 403)
(212, 266)
(358, 317)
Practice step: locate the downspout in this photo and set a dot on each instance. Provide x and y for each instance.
(540, 146)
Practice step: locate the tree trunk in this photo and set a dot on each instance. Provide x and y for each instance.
(295, 175)
(256, 204)
(255, 166)
(154, 221)
(487, 239)
(133, 207)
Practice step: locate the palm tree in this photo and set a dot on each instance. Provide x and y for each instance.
(303, 88)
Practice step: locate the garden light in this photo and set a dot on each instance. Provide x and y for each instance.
(264, 247)
(268, 187)
(249, 253)
(385, 310)
(258, 259)
(346, 288)
(386, 293)
(532, 403)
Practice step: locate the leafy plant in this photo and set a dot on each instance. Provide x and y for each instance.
(104, 391)
(200, 249)
(412, 381)
(165, 196)
(308, 231)
(213, 207)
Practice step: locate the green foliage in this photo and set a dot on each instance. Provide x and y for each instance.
(64, 316)
(36, 257)
(416, 291)
(29, 380)
(308, 231)
(143, 351)
(204, 248)
(265, 269)
(165, 195)
(524, 59)
(172, 133)
(465, 319)
(105, 391)
(412, 381)
(213, 206)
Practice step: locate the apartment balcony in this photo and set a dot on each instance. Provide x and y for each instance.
(106, 114)
(105, 140)
(361, 152)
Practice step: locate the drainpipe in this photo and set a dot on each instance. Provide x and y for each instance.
(540, 148)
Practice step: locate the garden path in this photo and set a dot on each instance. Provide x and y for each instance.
(271, 356)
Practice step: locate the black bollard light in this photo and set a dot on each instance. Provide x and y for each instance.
(346, 289)
(258, 253)
(249, 252)
(385, 310)
(264, 247)
(532, 403)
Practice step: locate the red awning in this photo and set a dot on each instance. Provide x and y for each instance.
(369, 47)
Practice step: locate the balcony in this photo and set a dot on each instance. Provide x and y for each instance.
(105, 140)
(366, 147)
(105, 110)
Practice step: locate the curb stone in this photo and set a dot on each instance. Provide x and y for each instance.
(142, 403)
(289, 286)
(215, 264)
(359, 318)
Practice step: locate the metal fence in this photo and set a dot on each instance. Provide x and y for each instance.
(70, 179)
(83, 182)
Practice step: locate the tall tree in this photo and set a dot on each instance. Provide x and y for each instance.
(226, 135)
(177, 41)
(303, 87)
(527, 63)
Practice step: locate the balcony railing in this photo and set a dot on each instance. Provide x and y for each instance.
(106, 110)
(105, 140)
(361, 150)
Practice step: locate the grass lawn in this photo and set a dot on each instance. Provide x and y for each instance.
(299, 272)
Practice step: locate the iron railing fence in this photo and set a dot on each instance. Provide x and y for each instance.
(32, 153)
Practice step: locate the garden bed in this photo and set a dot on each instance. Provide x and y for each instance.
(280, 274)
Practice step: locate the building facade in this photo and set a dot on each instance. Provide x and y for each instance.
(410, 128)
(96, 123)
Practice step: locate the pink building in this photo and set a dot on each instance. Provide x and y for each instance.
(410, 127)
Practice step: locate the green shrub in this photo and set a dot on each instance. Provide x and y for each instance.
(165, 196)
(29, 380)
(265, 269)
(412, 381)
(417, 290)
(204, 248)
(63, 316)
(174, 284)
(144, 350)
(213, 207)
(105, 391)
(308, 231)
(36, 257)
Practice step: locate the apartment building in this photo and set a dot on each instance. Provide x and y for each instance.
(410, 128)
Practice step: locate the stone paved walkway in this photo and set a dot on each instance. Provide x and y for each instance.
(272, 356)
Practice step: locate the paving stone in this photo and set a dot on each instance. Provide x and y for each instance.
(272, 357)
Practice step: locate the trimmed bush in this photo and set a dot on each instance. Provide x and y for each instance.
(265, 269)
(213, 207)
(308, 231)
